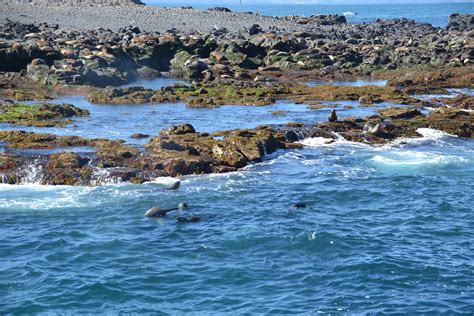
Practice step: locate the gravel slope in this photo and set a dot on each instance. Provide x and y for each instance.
(147, 18)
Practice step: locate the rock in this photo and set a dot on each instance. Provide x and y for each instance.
(42, 115)
(139, 136)
(329, 19)
(399, 113)
(461, 22)
(332, 116)
(178, 130)
(220, 9)
(66, 169)
(461, 101)
(369, 99)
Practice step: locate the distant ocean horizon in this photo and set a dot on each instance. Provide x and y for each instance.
(433, 13)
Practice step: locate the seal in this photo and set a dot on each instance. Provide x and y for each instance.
(158, 212)
(299, 205)
(173, 186)
(332, 116)
(372, 128)
(188, 219)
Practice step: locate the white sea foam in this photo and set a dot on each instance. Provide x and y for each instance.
(40, 197)
(429, 135)
(329, 142)
(433, 134)
(348, 13)
(416, 158)
(317, 141)
(28, 186)
(164, 180)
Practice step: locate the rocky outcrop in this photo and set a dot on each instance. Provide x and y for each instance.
(423, 80)
(181, 150)
(322, 19)
(198, 95)
(249, 93)
(101, 57)
(43, 115)
(178, 150)
(462, 101)
(461, 22)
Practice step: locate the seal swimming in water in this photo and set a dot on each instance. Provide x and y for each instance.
(158, 212)
(173, 186)
(188, 219)
(299, 205)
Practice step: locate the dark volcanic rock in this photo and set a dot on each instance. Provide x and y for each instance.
(220, 9)
(178, 130)
(461, 22)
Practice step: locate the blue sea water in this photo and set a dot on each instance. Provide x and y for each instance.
(387, 229)
(433, 13)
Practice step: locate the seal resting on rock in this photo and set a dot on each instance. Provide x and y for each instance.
(332, 116)
(158, 212)
(379, 129)
(372, 128)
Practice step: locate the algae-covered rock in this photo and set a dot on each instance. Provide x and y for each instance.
(461, 101)
(28, 140)
(190, 152)
(399, 113)
(197, 95)
(45, 115)
(66, 168)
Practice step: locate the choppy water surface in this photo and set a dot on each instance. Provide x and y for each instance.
(122, 121)
(386, 229)
(433, 13)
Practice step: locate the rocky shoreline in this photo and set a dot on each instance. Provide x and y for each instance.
(254, 66)
(180, 150)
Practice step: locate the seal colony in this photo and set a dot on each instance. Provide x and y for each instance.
(226, 58)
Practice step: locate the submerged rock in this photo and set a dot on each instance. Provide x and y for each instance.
(139, 136)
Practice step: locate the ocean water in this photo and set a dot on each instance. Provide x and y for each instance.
(387, 229)
(433, 13)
